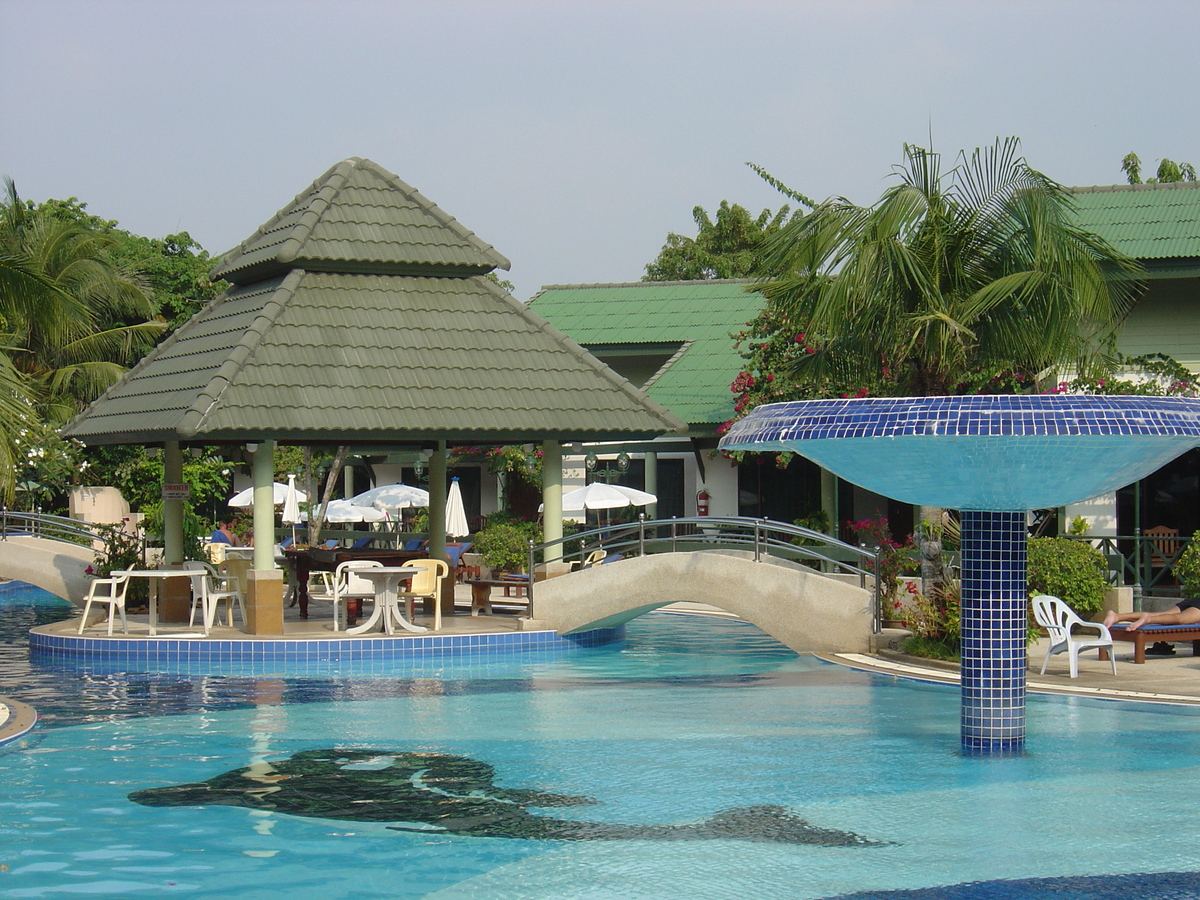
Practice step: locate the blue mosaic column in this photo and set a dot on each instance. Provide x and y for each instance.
(994, 616)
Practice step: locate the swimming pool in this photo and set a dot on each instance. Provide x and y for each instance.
(688, 719)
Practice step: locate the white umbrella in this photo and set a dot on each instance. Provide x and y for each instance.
(392, 496)
(598, 495)
(291, 505)
(456, 513)
(278, 491)
(345, 511)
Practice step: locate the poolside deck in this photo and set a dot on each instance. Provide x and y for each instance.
(1162, 679)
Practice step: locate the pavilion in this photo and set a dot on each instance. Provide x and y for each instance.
(362, 314)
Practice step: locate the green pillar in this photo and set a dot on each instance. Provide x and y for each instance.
(829, 499)
(172, 509)
(262, 470)
(552, 523)
(437, 502)
(652, 482)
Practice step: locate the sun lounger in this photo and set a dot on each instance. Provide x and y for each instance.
(1149, 634)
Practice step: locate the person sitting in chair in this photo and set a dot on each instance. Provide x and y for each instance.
(224, 535)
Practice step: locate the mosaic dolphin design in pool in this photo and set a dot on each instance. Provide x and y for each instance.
(441, 792)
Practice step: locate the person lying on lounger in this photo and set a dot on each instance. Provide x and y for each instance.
(1185, 612)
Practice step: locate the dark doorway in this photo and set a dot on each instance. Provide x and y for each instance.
(766, 491)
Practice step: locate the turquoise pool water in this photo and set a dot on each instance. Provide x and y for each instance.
(689, 718)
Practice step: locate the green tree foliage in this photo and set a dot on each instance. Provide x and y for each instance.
(972, 280)
(1168, 170)
(726, 247)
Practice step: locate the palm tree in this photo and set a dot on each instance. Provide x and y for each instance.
(73, 319)
(949, 278)
(70, 321)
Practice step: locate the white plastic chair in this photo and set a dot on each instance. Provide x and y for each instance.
(1058, 619)
(349, 586)
(426, 585)
(114, 587)
(208, 590)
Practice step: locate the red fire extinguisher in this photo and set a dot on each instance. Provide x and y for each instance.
(702, 499)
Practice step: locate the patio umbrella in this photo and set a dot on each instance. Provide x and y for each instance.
(392, 496)
(456, 513)
(598, 495)
(291, 505)
(279, 495)
(345, 511)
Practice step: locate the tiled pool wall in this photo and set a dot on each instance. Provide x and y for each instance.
(170, 651)
(994, 618)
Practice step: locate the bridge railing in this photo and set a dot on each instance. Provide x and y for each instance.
(759, 537)
(52, 528)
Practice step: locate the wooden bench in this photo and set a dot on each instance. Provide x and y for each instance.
(1149, 634)
(481, 593)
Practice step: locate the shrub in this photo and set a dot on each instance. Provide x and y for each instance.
(1187, 569)
(1071, 570)
(504, 548)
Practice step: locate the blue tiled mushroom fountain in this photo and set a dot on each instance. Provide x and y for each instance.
(992, 458)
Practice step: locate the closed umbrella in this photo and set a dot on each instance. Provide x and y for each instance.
(291, 505)
(392, 496)
(278, 496)
(456, 513)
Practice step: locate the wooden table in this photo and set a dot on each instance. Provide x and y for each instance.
(301, 563)
(387, 599)
(481, 592)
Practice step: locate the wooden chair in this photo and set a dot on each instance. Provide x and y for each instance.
(1164, 548)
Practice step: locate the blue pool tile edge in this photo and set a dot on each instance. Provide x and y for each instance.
(20, 719)
(149, 651)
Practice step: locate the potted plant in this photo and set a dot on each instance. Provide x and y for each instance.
(504, 548)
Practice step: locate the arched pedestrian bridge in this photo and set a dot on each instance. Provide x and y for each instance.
(751, 568)
(46, 551)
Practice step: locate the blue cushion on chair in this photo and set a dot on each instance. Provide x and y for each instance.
(414, 544)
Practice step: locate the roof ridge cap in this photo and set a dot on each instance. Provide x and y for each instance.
(443, 217)
(1119, 188)
(245, 348)
(667, 417)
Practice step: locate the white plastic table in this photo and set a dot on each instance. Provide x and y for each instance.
(387, 599)
(154, 575)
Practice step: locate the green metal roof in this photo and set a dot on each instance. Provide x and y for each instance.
(360, 358)
(1146, 221)
(699, 315)
(359, 217)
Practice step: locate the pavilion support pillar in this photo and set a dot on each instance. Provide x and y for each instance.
(172, 508)
(264, 590)
(174, 594)
(437, 521)
(552, 520)
(651, 482)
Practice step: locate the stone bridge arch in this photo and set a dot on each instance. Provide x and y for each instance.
(799, 607)
(55, 566)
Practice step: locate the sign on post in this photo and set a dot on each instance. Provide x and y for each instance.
(176, 491)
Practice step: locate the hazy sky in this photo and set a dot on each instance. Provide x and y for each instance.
(571, 135)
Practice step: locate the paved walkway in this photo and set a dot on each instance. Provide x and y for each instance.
(1162, 679)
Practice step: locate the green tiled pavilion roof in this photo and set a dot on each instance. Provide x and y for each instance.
(360, 217)
(700, 315)
(1151, 222)
(380, 358)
